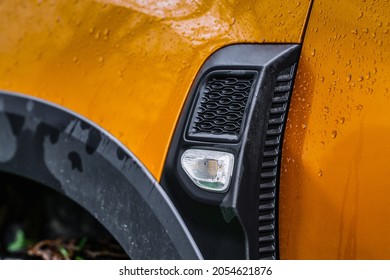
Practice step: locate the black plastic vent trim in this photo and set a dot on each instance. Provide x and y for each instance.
(270, 165)
(223, 96)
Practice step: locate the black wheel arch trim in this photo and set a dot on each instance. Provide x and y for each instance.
(65, 151)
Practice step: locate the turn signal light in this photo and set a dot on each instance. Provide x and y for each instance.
(209, 170)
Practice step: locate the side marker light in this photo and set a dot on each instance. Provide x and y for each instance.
(209, 170)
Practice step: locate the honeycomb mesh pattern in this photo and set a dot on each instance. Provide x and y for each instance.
(222, 105)
(270, 165)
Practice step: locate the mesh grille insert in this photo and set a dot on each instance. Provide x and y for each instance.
(222, 103)
(270, 165)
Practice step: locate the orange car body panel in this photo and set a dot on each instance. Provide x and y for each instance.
(335, 189)
(128, 65)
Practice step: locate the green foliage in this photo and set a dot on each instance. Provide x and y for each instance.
(19, 243)
(63, 252)
(82, 243)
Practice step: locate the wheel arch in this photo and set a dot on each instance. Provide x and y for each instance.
(64, 151)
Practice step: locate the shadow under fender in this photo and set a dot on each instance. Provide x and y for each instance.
(64, 151)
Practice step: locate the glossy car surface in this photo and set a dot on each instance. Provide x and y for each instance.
(128, 67)
(334, 198)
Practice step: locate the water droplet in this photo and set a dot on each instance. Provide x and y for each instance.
(232, 21)
(304, 126)
(322, 78)
(334, 133)
(75, 59)
(354, 31)
(320, 173)
(101, 59)
(342, 120)
(30, 105)
(359, 107)
(326, 109)
(373, 35)
(313, 52)
(360, 15)
(332, 72)
(361, 78)
(349, 77)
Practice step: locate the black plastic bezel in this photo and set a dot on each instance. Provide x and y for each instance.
(241, 201)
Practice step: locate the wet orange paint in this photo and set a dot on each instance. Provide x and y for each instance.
(335, 187)
(128, 65)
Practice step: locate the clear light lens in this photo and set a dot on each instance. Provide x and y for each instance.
(210, 170)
